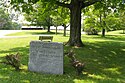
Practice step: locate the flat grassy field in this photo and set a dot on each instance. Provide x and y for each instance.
(104, 59)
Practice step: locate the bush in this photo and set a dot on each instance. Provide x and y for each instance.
(13, 60)
(91, 31)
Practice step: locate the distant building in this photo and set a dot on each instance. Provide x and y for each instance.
(41, 28)
(31, 28)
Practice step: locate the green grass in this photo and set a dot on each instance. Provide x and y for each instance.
(104, 59)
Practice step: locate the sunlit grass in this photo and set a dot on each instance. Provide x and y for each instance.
(104, 59)
(37, 32)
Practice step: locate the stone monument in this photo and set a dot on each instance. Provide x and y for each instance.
(46, 57)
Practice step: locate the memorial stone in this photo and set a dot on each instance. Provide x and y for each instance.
(46, 57)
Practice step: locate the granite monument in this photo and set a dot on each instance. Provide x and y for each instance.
(46, 57)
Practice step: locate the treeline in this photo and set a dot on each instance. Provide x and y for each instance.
(6, 22)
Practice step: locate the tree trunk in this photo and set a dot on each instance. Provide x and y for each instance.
(123, 31)
(48, 29)
(75, 24)
(103, 32)
(103, 29)
(104, 22)
(64, 34)
(56, 30)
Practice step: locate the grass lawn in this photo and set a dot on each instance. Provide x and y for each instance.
(104, 59)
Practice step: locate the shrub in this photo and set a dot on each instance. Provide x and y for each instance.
(91, 31)
(13, 60)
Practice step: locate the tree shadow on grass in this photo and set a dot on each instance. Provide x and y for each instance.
(108, 37)
(24, 52)
(115, 37)
(104, 61)
(122, 33)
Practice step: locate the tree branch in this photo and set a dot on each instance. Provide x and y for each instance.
(86, 4)
(62, 4)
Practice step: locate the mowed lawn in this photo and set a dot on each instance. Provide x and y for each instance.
(104, 59)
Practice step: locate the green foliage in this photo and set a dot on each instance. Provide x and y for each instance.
(104, 15)
(6, 22)
(60, 16)
(91, 22)
(4, 18)
(45, 14)
(121, 20)
(16, 26)
(91, 31)
(40, 16)
(112, 23)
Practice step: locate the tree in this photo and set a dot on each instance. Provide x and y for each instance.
(91, 21)
(5, 21)
(39, 17)
(7, 17)
(56, 20)
(65, 19)
(120, 13)
(44, 15)
(61, 17)
(75, 7)
(101, 10)
(121, 20)
(105, 14)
